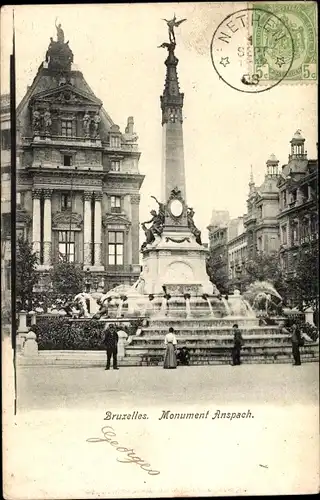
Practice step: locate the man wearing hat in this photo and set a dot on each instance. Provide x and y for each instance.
(111, 342)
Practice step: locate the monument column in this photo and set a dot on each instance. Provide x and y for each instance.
(36, 221)
(87, 221)
(47, 228)
(173, 171)
(97, 228)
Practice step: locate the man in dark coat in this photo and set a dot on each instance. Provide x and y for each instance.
(111, 343)
(183, 356)
(237, 344)
(297, 341)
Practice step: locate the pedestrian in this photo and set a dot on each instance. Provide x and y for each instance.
(170, 359)
(111, 343)
(183, 356)
(237, 344)
(297, 342)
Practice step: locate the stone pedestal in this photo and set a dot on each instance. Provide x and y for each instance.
(122, 343)
(33, 317)
(22, 329)
(30, 347)
(308, 314)
(176, 260)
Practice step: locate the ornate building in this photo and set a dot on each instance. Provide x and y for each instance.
(261, 223)
(298, 204)
(5, 198)
(78, 175)
(218, 241)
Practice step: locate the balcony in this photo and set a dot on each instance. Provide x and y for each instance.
(62, 139)
(249, 218)
(124, 148)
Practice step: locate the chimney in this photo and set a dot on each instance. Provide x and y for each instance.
(130, 124)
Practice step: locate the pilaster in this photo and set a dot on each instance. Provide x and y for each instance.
(87, 243)
(97, 231)
(36, 221)
(47, 228)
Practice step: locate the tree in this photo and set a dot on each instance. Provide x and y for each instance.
(266, 267)
(26, 273)
(217, 271)
(67, 278)
(303, 284)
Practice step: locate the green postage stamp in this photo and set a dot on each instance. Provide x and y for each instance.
(284, 37)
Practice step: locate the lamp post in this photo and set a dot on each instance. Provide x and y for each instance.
(87, 280)
(239, 274)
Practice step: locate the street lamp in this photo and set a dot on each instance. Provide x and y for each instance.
(239, 274)
(87, 280)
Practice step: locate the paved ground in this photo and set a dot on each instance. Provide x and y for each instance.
(46, 387)
(276, 452)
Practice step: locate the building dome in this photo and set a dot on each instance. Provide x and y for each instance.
(272, 159)
(298, 136)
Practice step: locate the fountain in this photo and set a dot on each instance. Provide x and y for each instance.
(173, 288)
(188, 308)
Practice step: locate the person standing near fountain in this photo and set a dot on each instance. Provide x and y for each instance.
(170, 358)
(237, 344)
(297, 342)
(111, 342)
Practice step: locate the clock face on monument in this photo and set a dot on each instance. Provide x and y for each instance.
(176, 208)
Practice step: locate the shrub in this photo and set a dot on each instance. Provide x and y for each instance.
(63, 334)
(310, 330)
(59, 333)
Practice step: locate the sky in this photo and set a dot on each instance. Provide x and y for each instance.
(225, 131)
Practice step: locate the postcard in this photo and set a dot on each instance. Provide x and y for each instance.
(159, 270)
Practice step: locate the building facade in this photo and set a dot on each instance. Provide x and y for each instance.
(298, 204)
(260, 221)
(237, 247)
(5, 199)
(78, 176)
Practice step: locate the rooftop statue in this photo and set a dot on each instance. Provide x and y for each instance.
(59, 56)
(60, 33)
(173, 23)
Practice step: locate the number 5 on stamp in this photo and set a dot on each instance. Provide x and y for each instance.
(309, 72)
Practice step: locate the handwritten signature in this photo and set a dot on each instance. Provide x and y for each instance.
(108, 434)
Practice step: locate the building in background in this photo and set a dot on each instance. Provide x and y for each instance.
(228, 249)
(78, 175)
(261, 223)
(298, 207)
(282, 217)
(5, 199)
(237, 244)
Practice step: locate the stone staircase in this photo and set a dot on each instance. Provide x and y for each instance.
(210, 343)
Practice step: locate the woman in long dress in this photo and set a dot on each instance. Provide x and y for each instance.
(170, 359)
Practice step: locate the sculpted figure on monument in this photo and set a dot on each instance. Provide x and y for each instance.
(193, 228)
(173, 23)
(36, 120)
(86, 123)
(47, 121)
(161, 213)
(96, 123)
(156, 227)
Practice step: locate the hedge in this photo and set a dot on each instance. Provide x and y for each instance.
(59, 333)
